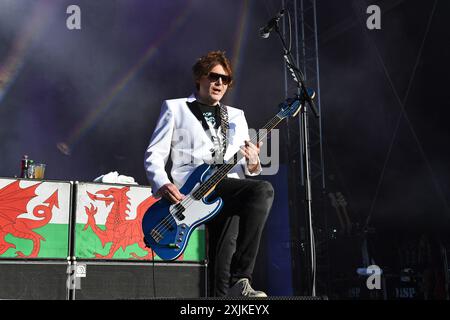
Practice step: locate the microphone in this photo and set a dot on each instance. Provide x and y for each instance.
(264, 32)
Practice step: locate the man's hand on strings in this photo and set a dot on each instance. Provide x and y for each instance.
(251, 154)
(170, 192)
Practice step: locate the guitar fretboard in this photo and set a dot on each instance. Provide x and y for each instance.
(223, 169)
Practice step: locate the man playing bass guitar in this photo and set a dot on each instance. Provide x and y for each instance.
(200, 129)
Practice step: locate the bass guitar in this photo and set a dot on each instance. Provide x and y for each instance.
(167, 226)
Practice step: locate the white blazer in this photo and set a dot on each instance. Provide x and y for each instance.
(180, 134)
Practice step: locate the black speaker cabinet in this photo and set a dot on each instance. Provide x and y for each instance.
(33, 280)
(133, 280)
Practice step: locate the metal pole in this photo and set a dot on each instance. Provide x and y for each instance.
(308, 199)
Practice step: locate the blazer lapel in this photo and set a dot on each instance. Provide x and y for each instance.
(197, 113)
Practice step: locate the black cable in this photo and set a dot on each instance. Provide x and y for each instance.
(290, 31)
(153, 272)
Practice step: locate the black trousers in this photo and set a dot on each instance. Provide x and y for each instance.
(235, 232)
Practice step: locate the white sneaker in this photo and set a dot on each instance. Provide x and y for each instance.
(242, 288)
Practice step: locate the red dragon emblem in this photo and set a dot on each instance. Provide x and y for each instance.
(119, 230)
(13, 203)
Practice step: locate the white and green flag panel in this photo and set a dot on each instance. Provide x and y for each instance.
(108, 224)
(35, 215)
(34, 218)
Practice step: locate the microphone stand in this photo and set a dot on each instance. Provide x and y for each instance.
(299, 79)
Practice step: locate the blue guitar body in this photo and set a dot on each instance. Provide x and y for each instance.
(167, 227)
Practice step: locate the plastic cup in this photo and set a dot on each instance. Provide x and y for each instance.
(36, 171)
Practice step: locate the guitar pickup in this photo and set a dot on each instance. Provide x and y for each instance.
(177, 212)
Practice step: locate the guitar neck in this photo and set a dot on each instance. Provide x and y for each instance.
(223, 169)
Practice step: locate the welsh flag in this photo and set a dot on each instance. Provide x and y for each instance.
(109, 219)
(34, 218)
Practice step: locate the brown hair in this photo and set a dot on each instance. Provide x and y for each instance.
(205, 63)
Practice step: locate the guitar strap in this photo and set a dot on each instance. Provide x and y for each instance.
(224, 126)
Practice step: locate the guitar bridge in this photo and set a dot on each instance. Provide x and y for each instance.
(156, 235)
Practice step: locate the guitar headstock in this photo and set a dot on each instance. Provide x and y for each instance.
(292, 106)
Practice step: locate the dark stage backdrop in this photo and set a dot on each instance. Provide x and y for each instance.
(85, 102)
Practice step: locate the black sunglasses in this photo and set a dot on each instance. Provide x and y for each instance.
(214, 77)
